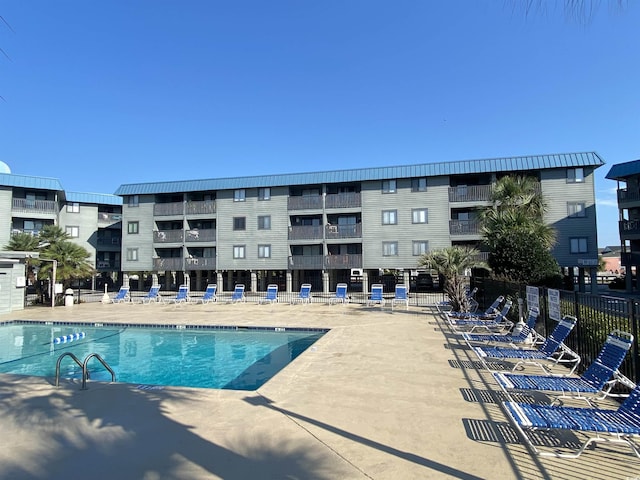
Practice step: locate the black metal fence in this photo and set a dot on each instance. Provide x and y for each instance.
(598, 315)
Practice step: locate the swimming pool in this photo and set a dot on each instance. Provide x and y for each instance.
(235, 358)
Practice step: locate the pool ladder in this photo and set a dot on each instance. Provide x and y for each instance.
(83, 365)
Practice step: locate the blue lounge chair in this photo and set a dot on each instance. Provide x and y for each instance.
(611, 426)
(122, 296)
(305, 294)
(445, 306)
(596, 382)
(272, 294)
(552, 351)
(401, 296)
(238, 294)
(341, 294)
(209, 295)
(516, 337)
(376, 297)
(153, 296)
(489, 313)
(499, 323)
(182, 296)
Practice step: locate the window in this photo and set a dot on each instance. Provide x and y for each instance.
(388, 186)
(133, 228)
(264, 193)
(264, 222)
(419, 215)
(238, 251)
(72, 231)
(575, 175)
(133, 200)
(389, 249)
(389, 217)
(132, 254)
(73, 207)
(576, 209)
(419, 184)
(239, 223)
(264, 251)
(420, 247)
(239, 195)
(578, 245)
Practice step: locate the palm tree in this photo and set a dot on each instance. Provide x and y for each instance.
(451, 263)
(25, 242)
(72, 262)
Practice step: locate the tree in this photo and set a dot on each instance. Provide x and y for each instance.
(72, 262)
(451, 263)
(516, 235)
(25, 242)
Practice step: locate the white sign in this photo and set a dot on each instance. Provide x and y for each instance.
(554, 304)
(533, 298)
(588, 262)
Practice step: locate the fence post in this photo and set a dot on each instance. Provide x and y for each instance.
(635, 354)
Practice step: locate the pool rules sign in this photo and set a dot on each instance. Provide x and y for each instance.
(553, 297)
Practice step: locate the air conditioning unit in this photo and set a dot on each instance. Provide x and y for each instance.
(356, 272)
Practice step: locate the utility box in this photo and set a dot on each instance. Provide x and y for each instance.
(68, 297)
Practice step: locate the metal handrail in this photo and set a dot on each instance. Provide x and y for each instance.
(85, 371)
(75, 359)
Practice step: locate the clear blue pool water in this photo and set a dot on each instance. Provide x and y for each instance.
(238, 359)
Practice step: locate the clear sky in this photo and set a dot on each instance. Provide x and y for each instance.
(99, 94)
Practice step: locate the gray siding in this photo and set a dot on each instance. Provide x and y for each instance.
(143, 241)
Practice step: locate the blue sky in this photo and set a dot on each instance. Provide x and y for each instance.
(98, 94)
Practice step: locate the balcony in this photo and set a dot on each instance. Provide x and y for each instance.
(168, 236)
(464, 227)
(168, 209)
(206, 207)
(628, 196)
(200, 235)
(200, 263)
(109, 218)
(107, 265)
(305, 232)
(628, 228)
(306, 262)
(305, 202)
(171, 264)
(343, 200)
(23, 205)
(108, 241)
(470, 193)
(337, 232)
(343, 261)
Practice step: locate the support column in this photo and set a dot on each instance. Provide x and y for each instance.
(365, 281)
(325, 282)
(581, 286)
(288, 280)
(406, 278)
(593, 273)
(125, 279)
(254, 281)
(219, 282)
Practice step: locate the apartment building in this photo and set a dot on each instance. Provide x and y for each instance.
(627, 176)
(327, 227)
(92, 220)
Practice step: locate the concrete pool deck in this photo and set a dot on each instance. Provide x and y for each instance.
(384, 395)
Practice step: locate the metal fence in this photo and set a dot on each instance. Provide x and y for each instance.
(598, 315)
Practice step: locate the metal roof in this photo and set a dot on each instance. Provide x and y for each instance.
(27, 181)
(623, 170)
(532, 162)
(96, 198)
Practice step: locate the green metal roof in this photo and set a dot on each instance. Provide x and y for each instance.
(28, 181)
(621, 171)
(507, 164)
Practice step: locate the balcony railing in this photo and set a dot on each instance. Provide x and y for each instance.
(343, 261)
(109, 218)
(625, 195)
(305, 232)
(470, 193)
(305, 202)
(168, 209)
(108, 241)
(343, 200)
(343, 231)
(34, 206)
(172, 264)
(200, 263)
(200, 235)
(206, 207)
(107, 265)
(464, 227)
(168, 236)
(306, 262)
(629, 227)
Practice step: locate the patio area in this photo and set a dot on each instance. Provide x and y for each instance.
(383, 395)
